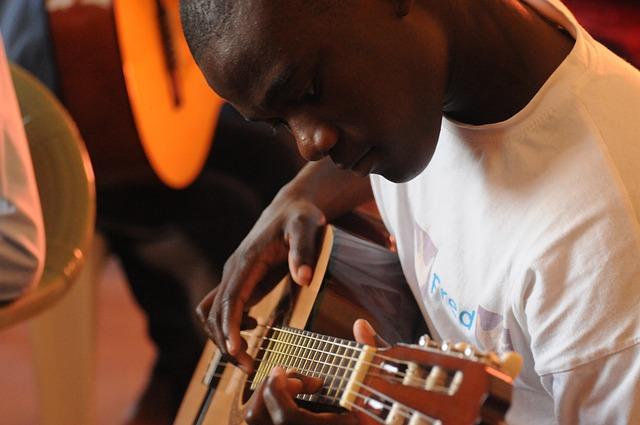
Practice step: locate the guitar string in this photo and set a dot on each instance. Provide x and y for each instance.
(373, 415)
(315, 363)
(341, 379)
(408, 411)
(309, 335)
(394, 376)
(355, 348)
(406, 414)
(275, 362)
(362, 409)
(305, 335)
(403, 409)
(398, 374)
(305, 360)
(316, 374)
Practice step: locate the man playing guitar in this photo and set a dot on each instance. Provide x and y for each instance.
(498, 140)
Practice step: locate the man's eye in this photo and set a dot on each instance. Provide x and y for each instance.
(313, 92)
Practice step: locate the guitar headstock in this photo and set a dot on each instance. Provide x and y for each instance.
(431, 383)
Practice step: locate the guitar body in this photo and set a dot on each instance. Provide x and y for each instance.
(353, 279)
(129, 81)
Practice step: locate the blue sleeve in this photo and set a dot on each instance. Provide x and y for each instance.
(25, 29)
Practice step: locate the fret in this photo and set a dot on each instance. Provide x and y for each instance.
(279, 352)
(312, 364)
(299, 353)
(283, 346)
(287, 359)
(301, 363)
(319, 367)
(264, 363)
(311, 350)
(328, 358)
(337, 351)
(334, 371)
(275, 354)
(323, 357)
(339, 372)
(346, 367)
(314, 336)
(310, 347)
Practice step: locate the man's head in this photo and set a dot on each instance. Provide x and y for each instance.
(359, 80)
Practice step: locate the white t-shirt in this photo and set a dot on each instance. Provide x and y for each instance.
(524, 235)
(22, 243)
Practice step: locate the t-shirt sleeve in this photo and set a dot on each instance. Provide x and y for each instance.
(582, 296)
(604, 391)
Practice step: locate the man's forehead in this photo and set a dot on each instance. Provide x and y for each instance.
(265, 38)
(244, 62)
(239, 73)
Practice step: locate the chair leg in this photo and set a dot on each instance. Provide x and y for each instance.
(64, 341)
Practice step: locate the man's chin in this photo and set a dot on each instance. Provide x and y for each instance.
(402, 175)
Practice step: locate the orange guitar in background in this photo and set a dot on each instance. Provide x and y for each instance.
(129, 81)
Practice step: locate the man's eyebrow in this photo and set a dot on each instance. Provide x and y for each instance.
(277, 86)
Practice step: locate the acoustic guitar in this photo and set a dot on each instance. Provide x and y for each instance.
(128, 79)
(309, 329)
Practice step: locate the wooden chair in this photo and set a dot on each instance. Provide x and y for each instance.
(62, 330)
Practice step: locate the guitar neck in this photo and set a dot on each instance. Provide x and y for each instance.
(360, 378)
(331, 359)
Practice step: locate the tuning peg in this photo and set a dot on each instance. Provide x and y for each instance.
(423, 341)
(446, 346)
(461, 346)
(511, 363)
(470, 351)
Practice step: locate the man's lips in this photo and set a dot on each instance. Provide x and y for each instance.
(360, 160)
(350, 165)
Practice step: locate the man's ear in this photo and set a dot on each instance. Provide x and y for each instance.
(403, 7)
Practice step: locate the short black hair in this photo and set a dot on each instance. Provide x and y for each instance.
(206, 20)
(202, 20)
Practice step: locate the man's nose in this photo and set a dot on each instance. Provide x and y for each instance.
(314, 138)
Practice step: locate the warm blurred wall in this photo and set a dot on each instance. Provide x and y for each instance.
(616, 23)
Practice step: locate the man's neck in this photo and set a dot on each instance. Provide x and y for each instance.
(502, 52)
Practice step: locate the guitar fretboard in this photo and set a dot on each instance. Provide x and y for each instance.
(328, 358)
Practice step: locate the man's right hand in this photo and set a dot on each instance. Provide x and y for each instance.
(286, 230)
